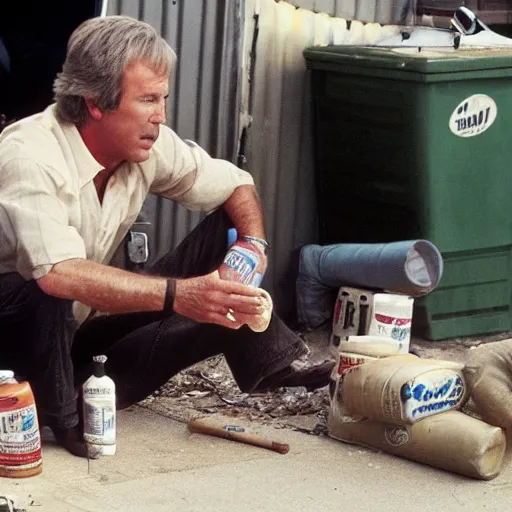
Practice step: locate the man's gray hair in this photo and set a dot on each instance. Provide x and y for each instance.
(98, 52)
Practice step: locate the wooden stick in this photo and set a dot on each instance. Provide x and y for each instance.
(199, 427)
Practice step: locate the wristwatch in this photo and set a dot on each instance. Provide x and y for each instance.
(259, 242)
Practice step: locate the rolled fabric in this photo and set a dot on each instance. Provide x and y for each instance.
(412, 267)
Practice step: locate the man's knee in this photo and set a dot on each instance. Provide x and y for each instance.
(24, 301)
(16, 292)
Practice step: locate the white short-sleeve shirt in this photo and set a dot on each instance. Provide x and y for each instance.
(49, 207)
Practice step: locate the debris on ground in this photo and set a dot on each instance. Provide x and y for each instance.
(208, 388)
(7, 505)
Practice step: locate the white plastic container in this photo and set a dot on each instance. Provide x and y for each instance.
(351, 313)
(360, 312)
(99, 406)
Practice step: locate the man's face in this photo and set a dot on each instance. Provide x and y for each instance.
(133, 127)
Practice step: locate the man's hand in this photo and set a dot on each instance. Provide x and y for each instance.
(210, 299)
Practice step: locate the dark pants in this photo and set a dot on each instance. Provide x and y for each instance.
(40, 342)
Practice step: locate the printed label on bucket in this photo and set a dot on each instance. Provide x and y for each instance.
(398, 329)
(431, 394)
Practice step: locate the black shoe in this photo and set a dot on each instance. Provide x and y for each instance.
(72, 439)
(311, 375)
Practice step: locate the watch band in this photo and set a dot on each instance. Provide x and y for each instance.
(170, 294)
(255, 239)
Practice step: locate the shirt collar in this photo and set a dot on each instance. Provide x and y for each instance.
(86, 164)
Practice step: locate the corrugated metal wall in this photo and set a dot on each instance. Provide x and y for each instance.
(276, 102)
(204, 107)
(265, 86)
(380, 11)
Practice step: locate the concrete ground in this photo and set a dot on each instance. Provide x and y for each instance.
(160, 466)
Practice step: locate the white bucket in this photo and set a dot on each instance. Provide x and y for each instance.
(391, 317)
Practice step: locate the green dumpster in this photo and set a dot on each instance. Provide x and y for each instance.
(417, 143)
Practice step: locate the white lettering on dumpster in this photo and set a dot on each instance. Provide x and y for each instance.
(473, 116)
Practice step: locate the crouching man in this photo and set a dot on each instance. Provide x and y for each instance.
(73, 180)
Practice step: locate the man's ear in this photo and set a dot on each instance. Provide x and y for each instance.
(94, 111)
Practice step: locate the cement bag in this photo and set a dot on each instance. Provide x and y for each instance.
(452, 441)
(402, 389)
(489, 376)
(346, 361)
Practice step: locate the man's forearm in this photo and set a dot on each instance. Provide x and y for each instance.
(204, 299)
(104, 288)
(244, 209)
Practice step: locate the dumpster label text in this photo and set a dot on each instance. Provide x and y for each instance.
(473, 116)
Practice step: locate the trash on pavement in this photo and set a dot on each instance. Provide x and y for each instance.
(7, 505)
(201, 427)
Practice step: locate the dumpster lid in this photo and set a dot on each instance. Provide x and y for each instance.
(414, 59)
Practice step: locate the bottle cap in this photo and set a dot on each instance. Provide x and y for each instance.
(6, 375)
(99, 365)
